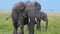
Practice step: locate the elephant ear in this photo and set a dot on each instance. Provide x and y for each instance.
(21, 6)
(37, 5)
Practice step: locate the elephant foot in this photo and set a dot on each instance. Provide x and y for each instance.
(38, 28)
(20, 33)
(14, 32)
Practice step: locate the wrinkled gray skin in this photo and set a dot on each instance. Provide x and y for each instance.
(18, 17)
(22, 11)
(30, 9)
(43, 16)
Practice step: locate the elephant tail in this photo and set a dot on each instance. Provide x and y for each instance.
(8, 17)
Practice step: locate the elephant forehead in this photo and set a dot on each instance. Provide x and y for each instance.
(31, 13)
(30, 8)
(28, 3)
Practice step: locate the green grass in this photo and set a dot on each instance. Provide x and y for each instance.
(6, 27)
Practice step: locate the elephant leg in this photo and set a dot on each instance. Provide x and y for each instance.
(21, 22)
(46, 26)
(46, 19)
(31, 26)
(15, 23)
(15, 27)
(39, 25)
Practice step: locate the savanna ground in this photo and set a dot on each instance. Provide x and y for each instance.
(6, 27)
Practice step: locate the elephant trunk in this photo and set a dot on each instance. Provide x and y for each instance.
(46, 23)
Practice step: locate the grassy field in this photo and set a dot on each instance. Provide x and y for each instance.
(6, 27)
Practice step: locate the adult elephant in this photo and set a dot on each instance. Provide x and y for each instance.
(22, 11)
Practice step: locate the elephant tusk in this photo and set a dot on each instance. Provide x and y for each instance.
(29, 20)
(35, 19)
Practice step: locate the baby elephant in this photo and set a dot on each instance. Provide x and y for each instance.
(43, 16)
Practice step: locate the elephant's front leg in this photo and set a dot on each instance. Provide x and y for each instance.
(15, 27)
(31, 26)
(21, 22)
(39, 25)
(15, 24)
